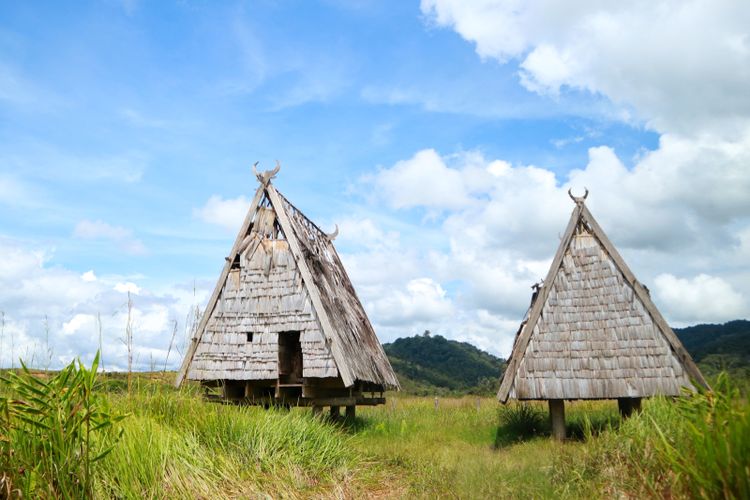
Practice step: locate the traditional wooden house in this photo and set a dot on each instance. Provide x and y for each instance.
(284, 324)
(592, 332)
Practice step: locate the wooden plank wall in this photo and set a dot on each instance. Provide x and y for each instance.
(268, 298)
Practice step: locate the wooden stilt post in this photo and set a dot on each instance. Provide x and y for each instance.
(628, 405)
(625, 405)
(557, 418)
(351, 412)
(316, 410)
(335, 412)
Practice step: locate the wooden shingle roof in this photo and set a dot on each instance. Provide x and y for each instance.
(334, 305)
(593, 331)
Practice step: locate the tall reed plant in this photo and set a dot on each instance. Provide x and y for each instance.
(53, 432)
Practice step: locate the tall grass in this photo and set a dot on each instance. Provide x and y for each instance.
(697, 445)
(175, 445)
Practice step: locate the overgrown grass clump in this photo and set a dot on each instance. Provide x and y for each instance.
(520, 421)
(695, 446)
(177, 445)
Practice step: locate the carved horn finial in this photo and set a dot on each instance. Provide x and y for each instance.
(332, 236)
(578, 199)
(266, 176)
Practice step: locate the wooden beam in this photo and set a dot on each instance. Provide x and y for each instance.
(219, 285)
(312, 287)
(335, 412)
(557, 418)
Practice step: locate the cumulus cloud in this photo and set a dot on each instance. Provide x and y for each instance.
(679, 210)
(52, 314)
(666, 214)
(422, 300)
(701, 298)
(99, 230)
(423, 180)
(681, 65)
(227, 213)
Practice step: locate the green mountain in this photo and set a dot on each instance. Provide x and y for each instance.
(427, 365)
(431, 364)
(719, 347)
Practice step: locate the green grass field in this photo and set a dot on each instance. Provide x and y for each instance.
(172, 444)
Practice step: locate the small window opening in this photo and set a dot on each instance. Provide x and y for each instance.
(249, 336)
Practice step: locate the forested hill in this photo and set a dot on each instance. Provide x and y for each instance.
(431, 364)
(719, 347)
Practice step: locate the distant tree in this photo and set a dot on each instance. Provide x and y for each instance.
(426, 333)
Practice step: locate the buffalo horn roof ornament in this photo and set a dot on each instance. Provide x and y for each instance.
(266, 176)
(578, 199)
(332, 236)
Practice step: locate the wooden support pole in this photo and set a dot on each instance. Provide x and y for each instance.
(351, 412)
(628, 405)
(316, 410)
(557, 418)
(335, 412)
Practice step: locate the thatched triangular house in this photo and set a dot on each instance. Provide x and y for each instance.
(284, 324)
(593, 332)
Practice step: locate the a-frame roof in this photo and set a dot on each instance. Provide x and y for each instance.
(593, 331)
(342, 319)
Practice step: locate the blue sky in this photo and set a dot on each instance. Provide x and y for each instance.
(128, 129)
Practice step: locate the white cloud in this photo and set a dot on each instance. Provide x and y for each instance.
(88, 276)
(423, 300)
(423, 180)
(667, 214)
(78, 322)
(99, 230)
(680, 210)
(703, 298)
(681, 65)
(127, 287)
(36, 295)
(227, 213)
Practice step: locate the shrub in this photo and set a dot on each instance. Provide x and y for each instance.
(53, 432)
(519, 422)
